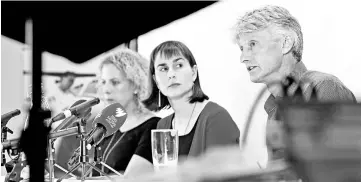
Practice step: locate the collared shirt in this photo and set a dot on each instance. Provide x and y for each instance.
(328, 88)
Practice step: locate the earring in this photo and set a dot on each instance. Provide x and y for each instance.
(159, 101)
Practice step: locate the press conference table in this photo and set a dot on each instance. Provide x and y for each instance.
(211, 167)
(228, 175)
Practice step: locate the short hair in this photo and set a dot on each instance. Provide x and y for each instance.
(135, 68)
(168, 50)
(263, 17)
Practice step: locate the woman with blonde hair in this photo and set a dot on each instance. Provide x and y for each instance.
(124, 79)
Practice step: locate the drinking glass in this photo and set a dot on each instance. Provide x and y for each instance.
(164, 148)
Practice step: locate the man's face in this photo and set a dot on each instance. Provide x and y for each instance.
(262, 55)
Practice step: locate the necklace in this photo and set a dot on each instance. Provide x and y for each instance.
(188, 120)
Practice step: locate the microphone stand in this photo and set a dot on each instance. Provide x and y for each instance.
(51, 149)
(4, 135)
(51, 162)
(83, 154)
(14, 173)
(98, 160)
(50, 159)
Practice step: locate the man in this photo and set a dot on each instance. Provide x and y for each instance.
(271, 42)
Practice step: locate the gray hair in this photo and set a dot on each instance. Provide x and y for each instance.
(266, 16)
(136, 70)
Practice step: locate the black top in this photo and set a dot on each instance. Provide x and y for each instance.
(215, 128)
(185, 141)
(116, 151)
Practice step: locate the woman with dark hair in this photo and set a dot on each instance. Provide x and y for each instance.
(201, 123)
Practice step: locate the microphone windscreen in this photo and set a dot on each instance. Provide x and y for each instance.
(111, 118)
(70, 120)
(83, 112)
(77, 102)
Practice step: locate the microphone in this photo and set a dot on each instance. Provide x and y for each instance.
(11, 144)
(69, 120)
(14, 143)
(76, 110)
(106, 123)
(5, 117)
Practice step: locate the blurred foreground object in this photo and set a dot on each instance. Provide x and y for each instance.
(323, 140)
(217, 164)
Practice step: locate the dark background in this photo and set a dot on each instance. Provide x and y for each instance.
(80, 30)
